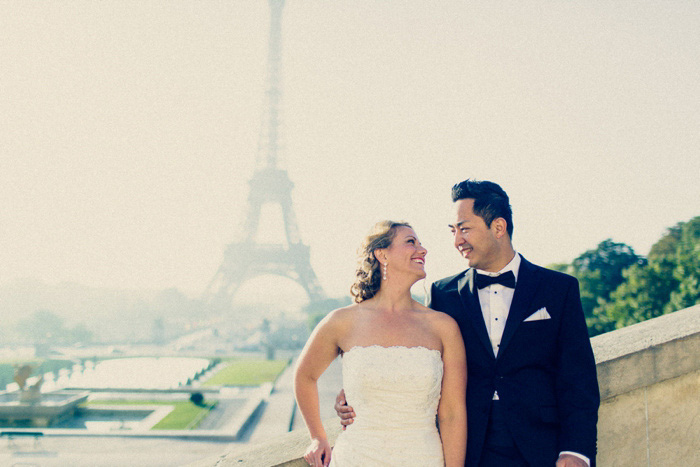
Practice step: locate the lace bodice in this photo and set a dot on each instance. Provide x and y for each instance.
(395, 393)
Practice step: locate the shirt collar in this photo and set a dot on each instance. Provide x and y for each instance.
(514, 266)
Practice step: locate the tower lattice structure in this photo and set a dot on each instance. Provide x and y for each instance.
(246, 258)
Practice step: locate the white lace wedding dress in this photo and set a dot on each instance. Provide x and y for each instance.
(395, 393)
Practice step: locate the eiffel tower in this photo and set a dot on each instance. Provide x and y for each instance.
(246, 258)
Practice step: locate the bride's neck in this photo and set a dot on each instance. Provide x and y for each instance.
(393, 298)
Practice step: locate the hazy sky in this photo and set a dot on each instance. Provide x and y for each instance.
(129, 129)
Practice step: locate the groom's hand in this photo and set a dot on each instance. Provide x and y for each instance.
(344, 411)
(567, 460)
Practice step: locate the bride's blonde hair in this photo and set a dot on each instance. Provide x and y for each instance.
(368, 276)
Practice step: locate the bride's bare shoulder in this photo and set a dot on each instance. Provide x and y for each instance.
(340, 316)
(438, 318)
(429, 312)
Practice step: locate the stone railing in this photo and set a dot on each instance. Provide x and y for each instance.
(649, 377)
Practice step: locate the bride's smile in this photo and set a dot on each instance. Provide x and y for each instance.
(406, 254)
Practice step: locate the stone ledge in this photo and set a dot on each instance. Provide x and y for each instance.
(650, 333)
(647, 353)
(284, 451)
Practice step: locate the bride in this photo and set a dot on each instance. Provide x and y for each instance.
(403, 364)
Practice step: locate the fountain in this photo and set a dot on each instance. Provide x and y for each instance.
(30, 407)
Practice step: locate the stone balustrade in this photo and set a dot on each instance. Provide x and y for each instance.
(649, 376)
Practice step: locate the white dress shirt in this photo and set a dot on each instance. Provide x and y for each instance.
(495, 301)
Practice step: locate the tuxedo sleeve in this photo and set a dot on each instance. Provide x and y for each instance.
(578, 397)
(435, 298)
(430, 299)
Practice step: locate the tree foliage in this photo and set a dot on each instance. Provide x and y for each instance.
(687, 270)
(600, 272)
(644, 294)
(619, 288)
(44, 326)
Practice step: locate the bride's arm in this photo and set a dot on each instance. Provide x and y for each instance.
(318, 353)
(452, 410)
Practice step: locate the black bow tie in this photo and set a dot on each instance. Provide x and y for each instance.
(507, 279)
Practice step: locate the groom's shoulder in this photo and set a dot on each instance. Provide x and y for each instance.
(552, 275)
(450, 282)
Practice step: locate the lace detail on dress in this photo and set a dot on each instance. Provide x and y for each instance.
(395, 392)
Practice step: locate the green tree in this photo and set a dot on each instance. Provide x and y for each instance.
(80, 333)
(317, 310)
(668, 244)
(609, 259)
(158, 331)
(42, 326)
(644, 295)
(687, 270)
(669, 282)
(600, 272)
(561, 267)
(46, 327)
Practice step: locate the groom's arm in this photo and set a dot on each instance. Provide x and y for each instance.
(578, 396)
(344, 411)
(433, 299)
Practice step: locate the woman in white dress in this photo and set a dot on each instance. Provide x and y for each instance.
(404, 366)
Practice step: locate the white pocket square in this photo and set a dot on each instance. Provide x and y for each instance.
(538, 315)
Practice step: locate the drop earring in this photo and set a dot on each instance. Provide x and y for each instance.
(384, 271)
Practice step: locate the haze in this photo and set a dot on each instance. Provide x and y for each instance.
(129, 129)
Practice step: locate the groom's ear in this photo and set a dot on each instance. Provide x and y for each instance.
(499, 227)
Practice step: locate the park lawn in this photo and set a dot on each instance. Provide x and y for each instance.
(247, 373)
(185, 415)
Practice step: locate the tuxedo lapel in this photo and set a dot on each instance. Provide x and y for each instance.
(470, 300)
(525, 288)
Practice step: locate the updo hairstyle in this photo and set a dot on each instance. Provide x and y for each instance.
(368, 276)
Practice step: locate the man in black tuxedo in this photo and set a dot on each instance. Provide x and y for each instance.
(532, 392)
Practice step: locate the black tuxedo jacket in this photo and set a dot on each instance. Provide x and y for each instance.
(545, 372)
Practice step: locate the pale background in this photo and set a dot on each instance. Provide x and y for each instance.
(128, 129)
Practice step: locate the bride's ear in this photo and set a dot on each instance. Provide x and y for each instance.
(380, 255)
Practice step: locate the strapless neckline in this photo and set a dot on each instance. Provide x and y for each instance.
(393, 347)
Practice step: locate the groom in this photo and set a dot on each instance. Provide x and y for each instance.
(532, 392)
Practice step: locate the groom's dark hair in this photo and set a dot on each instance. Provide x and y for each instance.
(490, 201)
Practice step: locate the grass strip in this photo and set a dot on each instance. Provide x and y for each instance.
(247, 373)
(184, 416)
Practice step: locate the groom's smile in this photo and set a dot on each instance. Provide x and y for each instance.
(465, 250)
(475, 241)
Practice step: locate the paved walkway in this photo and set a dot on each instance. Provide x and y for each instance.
(225, 410)
(277, 415)
(107, 452)
(328, 386)
(278, 408)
